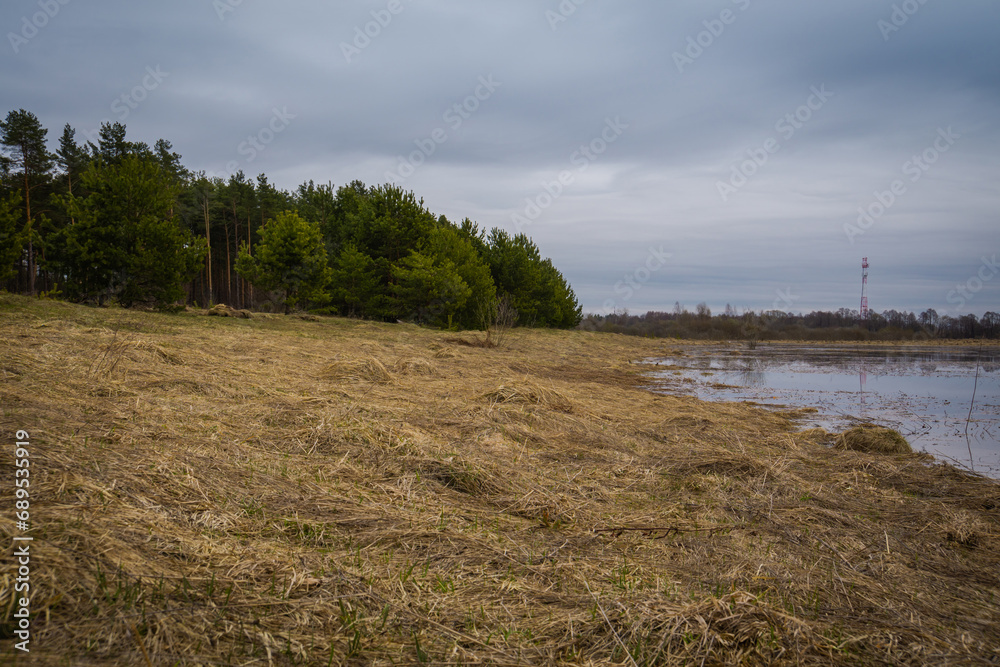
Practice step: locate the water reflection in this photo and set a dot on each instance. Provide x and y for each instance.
(925, 393)
(862, 381)
(752, 373)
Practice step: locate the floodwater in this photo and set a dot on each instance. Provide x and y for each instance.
(923, 392)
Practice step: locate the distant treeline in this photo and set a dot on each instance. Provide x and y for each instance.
(844, 324)
(125, 222)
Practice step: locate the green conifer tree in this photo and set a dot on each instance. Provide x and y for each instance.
(290, 257)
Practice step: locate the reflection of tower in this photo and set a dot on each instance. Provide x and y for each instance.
(864, 288)
(863, 379)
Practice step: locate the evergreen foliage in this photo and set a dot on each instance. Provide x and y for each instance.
(122, 221)
(429, 289)
(125, 242)
(11, 236)
(537, 290)
(354, 282)
(23, 137)
(290, 258)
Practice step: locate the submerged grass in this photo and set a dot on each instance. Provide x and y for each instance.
(279, 491)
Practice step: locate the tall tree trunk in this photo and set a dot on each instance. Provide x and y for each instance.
(31, 244)
(229, 264)
(236, 235)
(208, 241)
(249, 252)
(69, 180)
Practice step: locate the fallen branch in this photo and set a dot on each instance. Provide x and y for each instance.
(667, 531)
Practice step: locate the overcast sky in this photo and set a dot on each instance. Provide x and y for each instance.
(720, 151)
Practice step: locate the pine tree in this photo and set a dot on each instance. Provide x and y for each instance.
(24, 138)
(535, 287)
(354, 282)
(290, 257)
(428, 291)
(126, 243)
(112, 145)
(170, 162)
(448, 244)
(70, 156)
(319, 203)
(11, 236)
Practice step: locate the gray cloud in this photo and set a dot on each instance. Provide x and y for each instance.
(658, 184)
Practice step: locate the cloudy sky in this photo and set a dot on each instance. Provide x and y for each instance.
(748, 152)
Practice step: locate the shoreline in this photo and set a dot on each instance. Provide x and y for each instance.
(916, 407)
(973, 343)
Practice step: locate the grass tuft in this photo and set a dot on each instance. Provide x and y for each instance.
(873, 439)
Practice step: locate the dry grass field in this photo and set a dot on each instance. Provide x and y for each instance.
(285, 491)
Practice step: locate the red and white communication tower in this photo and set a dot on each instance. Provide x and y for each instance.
(864, 288)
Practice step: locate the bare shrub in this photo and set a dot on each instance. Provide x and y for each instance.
(497, 316)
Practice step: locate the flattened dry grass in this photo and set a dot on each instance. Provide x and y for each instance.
(278, 491)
